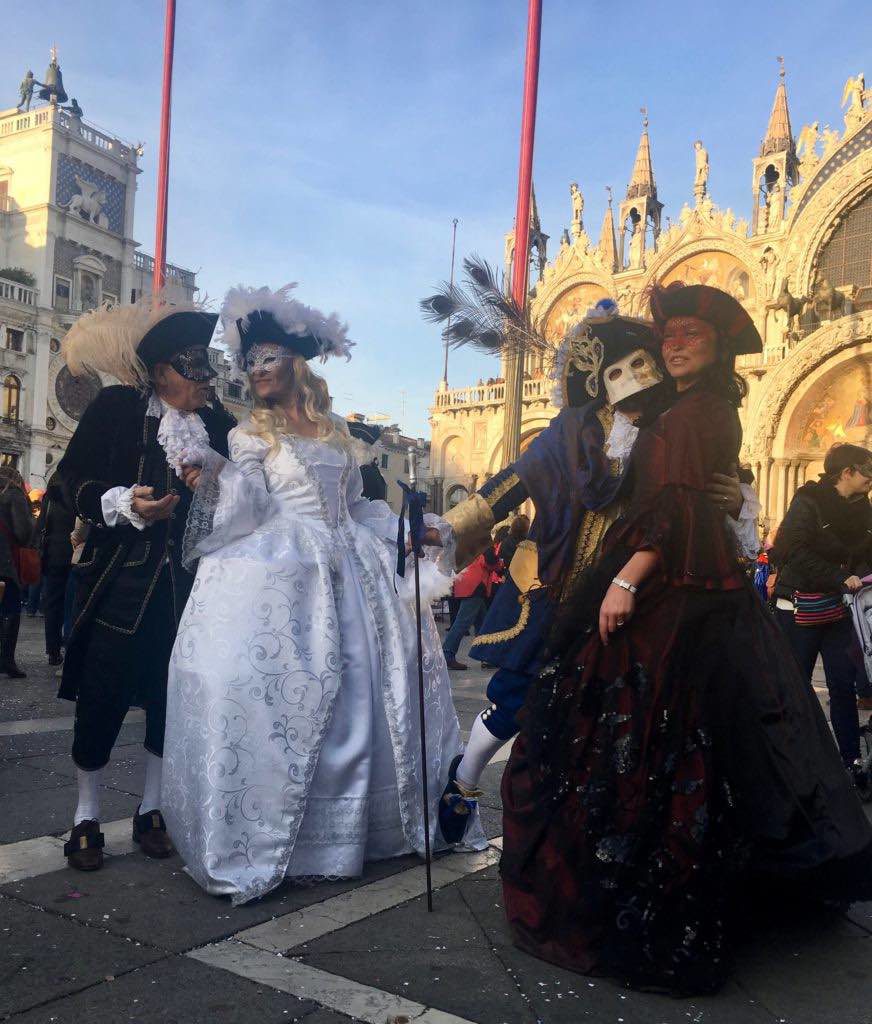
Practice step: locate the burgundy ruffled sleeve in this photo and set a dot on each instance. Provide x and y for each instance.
(670, 512)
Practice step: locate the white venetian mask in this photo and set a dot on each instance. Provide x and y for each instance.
(626, 377)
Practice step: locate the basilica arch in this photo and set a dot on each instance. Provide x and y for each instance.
(718, 260)
(530, 429)
(806, 404)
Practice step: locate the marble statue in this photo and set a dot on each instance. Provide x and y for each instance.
(829, 140)
(807, 140)
(577, 208)
(853, 93)
(700, 181)
(637, 245)
(509, 254)
(806, 150)
(769, 264)
(89, 204)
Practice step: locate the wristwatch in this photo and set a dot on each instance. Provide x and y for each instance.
(624, 584)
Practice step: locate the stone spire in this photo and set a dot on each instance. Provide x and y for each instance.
(642, 180)
(608, 243)
(779, 137)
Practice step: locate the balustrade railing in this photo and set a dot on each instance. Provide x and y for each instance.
(490, 394)
(12, 291)
(24, 121)
(142, 261)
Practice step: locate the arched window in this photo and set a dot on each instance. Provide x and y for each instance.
(11, 399)
(846, 258)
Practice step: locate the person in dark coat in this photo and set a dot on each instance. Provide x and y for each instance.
(16, 530)
(53, 528)
(823, 547)
(123, 471)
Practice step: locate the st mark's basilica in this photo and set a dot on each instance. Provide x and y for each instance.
(801, 263)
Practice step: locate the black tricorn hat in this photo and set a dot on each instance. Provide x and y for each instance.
(262, 328)
(175, 333)
(712, 305)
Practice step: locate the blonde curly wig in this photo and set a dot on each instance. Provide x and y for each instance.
(312, 399)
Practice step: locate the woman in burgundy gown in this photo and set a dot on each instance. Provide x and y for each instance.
(673, 755)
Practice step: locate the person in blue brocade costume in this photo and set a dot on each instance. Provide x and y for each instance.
(575, 474)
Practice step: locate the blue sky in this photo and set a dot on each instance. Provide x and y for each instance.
(332, 142)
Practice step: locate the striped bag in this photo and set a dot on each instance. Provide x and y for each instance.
(818, 609)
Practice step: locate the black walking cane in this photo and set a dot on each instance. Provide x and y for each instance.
(415, 501)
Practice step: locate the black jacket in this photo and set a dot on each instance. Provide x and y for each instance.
(823, 540)
(114, 444)
(54, 526)
(17, 519)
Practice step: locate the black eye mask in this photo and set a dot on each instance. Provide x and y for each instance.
(193, 364)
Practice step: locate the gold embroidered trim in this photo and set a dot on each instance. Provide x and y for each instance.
(472, 521)
(524, 567)
(139, 561)
(507, 634)
(590, 537)
(502, 489)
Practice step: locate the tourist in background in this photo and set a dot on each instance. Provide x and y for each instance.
(16, 531)
(518, 531)
(823, 547)
(472, 590)
(32, 592)
(53, 530)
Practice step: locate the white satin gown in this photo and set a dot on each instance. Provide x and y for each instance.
(292, 745)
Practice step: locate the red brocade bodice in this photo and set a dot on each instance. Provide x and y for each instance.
(670, 511)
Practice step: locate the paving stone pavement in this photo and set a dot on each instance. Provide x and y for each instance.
(138, 941)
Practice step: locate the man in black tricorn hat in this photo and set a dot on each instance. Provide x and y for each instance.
(123, 471)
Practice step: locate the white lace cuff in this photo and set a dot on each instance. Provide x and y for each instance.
(117, 507)
(444, 558)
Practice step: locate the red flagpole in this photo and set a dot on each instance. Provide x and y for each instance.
(521, 267)
(163, 172)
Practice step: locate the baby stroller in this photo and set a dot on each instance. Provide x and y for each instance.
(861, 610)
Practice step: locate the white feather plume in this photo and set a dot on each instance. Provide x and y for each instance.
(292, 316)
(105, 339)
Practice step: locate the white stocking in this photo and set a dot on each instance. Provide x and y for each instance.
(481, 748)
(89, 795)
(151, 791)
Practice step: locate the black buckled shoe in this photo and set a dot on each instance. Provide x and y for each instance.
(457, 806)
(150, 831)
(84, 849)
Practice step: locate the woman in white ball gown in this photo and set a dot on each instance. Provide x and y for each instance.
(293, 745)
